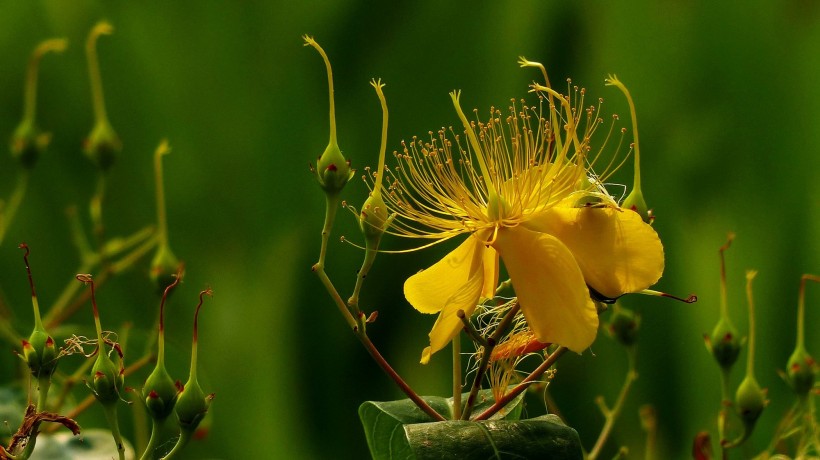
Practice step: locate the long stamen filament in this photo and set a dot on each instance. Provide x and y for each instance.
(485, 171)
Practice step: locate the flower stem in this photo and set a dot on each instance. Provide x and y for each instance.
(8, 212)
(611, 415)
(111, 415)
(456, 344)
(102, 28)
(398, 380)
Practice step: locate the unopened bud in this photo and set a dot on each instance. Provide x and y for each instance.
(724, 344)
(801, 371)
(624, 325)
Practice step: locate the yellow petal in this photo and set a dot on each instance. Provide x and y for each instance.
(433, 289)
(617, 252)
(550, 288)
(454, 283)
(490, 273)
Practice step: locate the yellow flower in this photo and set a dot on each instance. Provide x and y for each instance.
(522, 188)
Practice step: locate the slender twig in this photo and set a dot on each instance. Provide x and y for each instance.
(456, 344)
(422, 404)
(530, 379)
(611, 415)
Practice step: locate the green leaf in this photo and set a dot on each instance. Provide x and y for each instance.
(542, 437)
(384, 422)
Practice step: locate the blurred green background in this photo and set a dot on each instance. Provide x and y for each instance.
(727, 102)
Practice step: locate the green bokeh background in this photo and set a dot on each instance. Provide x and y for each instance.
(727, 102)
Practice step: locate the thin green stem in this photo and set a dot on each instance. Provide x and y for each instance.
(611, 415)
(184, 437)
(43, 385)
(95, 210)
(101, 28)
(456, 344)
(422, 404)
(750, 362)
(337, 299)
(162, 222)
(8, 212)
(332, 205)
(111, 415)
(159, 430)
(530, 379)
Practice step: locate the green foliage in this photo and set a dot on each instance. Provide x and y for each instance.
(385, 422)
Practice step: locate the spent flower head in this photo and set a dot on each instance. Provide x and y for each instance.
(521, 186)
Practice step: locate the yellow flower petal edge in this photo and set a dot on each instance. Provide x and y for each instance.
(433, 289)
(550, 288)
(617, 251)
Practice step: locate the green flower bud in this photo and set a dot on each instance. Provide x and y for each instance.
(192, 405)
(160, 392)
(28, 143)
(40, 354)
(634, 200)
(750, 401)
(102, 146)
(373, 219)
(801, 371)
(39, 351)
(165, 268)
(107, 380)
(724, 344)
(802, 368)
(624, 325)
(332, 169)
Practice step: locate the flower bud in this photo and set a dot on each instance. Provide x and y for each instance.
(724, 344)
(107, 380)
(164, 269)
(750, 401)
(624, 325)
(373, 219)
(40, 354)
(801, 371)
(102, 145)
(802, 368)
(160, 392)
(192, 403)
(28, 142)
(192, 406)
(332, 169)
(39, 351)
